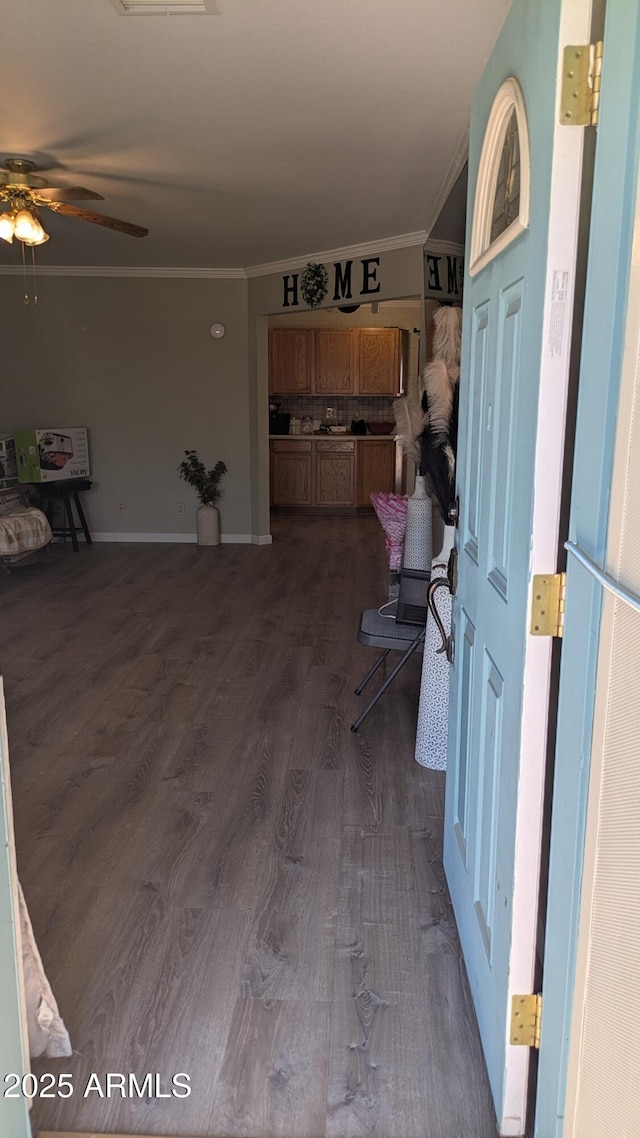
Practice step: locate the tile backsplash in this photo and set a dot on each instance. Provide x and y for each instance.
(374, 409)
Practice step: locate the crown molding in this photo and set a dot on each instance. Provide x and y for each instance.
(444, 247)
(460, 155)
(127, 271)
(384, 245)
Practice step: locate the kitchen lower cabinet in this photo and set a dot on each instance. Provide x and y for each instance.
(335, 473)
(376, 469)
(291, 473)
(331, 475)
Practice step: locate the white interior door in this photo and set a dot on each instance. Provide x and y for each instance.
(524, 187)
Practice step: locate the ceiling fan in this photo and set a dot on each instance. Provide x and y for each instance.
(25, 192)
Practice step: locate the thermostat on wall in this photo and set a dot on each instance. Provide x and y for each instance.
(217, 331)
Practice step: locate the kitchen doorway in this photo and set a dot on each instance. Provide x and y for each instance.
(334, 374)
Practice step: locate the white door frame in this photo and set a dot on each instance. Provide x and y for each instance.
(562, 249)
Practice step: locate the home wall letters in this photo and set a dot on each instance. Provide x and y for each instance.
(443, 271)
(342, 282)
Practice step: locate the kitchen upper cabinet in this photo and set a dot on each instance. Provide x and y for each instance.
(381, 361)
(336, 354)
(335, 473)
(337, 361)
(291, 362)
(291, 473)
(376, 469)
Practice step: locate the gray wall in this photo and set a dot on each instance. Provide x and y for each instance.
(132, 359)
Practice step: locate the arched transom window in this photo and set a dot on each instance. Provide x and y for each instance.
(501, 207)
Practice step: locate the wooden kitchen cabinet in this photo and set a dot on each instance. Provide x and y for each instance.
(381, 361)
(376, 469)
(291, 361)
(336, 355)
(337, 361)
(330, 474)
(335, 473)
(291, 473)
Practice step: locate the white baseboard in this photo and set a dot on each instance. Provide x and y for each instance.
(189, 538)
(184, 538)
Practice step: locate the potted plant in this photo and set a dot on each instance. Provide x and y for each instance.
(205, 482)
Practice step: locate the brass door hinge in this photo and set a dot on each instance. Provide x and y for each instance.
(526, 1017)
(581, 78)
(547, 604)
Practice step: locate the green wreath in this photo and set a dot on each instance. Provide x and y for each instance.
(314, 284)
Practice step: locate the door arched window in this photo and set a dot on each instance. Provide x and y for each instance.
(501, 210)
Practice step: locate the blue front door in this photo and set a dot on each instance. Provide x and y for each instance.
(524, 183)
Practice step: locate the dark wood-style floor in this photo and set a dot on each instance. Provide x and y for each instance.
(223, 880)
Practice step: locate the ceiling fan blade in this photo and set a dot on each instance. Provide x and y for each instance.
(68, 194)
(98, 219)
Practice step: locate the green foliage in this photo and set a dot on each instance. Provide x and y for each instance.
(313, 284)
(204, 481)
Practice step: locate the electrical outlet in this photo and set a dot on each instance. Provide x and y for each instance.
(181, 507)
(121, 507)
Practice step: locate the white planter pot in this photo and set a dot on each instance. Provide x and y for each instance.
(208, 525)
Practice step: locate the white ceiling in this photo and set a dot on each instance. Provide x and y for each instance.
(274, 129)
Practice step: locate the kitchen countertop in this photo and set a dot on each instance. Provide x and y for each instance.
(338, 435)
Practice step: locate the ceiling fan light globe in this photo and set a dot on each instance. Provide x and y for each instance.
(27, 228)
(7, 226)
(40, 241)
